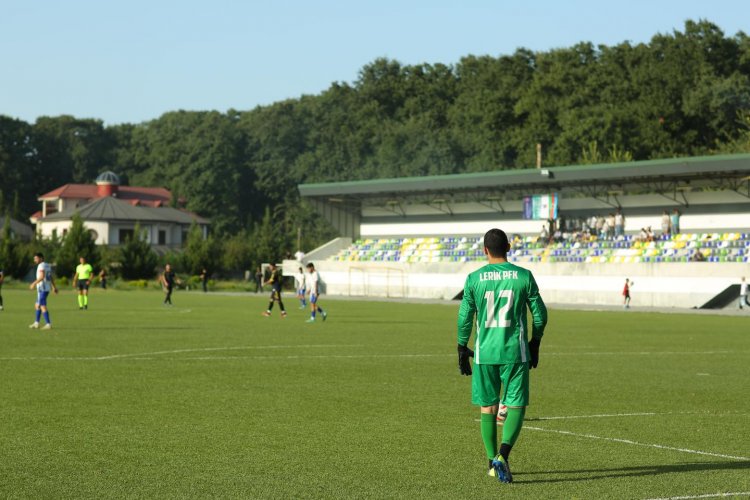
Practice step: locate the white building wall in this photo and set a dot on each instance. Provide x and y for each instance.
(679, 285)
(46, 229)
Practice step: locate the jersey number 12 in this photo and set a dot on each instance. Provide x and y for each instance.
(494, 313)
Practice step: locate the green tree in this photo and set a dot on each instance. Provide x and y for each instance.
(137, 259)
(269, 241)
(199, 252)
(237, 253)
(15, 258)
(78, 242)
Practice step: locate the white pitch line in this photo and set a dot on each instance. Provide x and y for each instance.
(637, 353)
(707, 495)
(336, 356)
(209, 349)
(602, 415)
(636, 443)
(142, 355)
(642, 414)
(617, 415)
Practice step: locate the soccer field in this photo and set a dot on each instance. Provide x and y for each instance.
(210, 399)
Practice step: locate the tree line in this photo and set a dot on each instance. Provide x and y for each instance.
(684, 93)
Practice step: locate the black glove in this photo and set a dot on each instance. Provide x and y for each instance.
(534, 350)
(464, 353)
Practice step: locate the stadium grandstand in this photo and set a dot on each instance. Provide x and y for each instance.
(419, 237)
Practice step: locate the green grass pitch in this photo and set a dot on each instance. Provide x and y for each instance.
(210, 399)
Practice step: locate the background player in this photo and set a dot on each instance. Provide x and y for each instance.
(82, 279)
(44, 283)
(626, 293)
(299, 284)
(168, 281)
(312, 282)
(275, 281)
(499, 293)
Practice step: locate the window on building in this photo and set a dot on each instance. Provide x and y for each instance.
(162, 237)
(125, 234)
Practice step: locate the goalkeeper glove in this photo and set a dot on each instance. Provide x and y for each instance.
(534, 350)
(464, 353)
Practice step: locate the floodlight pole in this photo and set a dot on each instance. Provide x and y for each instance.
(538, 155)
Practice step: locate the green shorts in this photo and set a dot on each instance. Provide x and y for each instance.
(488, 380)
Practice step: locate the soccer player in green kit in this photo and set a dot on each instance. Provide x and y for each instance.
(498, 294)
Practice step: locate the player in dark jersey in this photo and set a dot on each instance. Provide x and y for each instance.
(168, 281)
(275, 281)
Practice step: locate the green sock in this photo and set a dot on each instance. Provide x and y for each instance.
(85, 300)
(80, 301)
(512, 425)
(489, 434)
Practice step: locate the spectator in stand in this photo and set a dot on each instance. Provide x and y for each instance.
(643, 235)
(611, 226)
(619, 223)
(665, 223)
(675, 220)
(698, 257)
(649, 234)
(600, 227)
(544, 235)
(550, 229)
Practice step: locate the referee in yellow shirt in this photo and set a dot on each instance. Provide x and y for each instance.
(82, 280)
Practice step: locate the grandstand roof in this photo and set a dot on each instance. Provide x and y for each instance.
(668, 175)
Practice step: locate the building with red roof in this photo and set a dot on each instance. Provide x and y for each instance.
(111, 211)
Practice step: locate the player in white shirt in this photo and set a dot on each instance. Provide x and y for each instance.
(312, 280)
(44, 284)
(299, 285)
(743, 294)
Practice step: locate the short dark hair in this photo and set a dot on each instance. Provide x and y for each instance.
(39, 254)
(496, 242)
(310, 265)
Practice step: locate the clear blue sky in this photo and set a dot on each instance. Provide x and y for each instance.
(130, 61)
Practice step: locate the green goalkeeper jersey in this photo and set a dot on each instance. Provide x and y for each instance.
(498, 295)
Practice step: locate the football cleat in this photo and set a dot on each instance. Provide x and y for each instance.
(325, 315)
(502, 413)
(502, 470)
(266, 313)
(311, 320)
(34, 325)
(47, 327)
